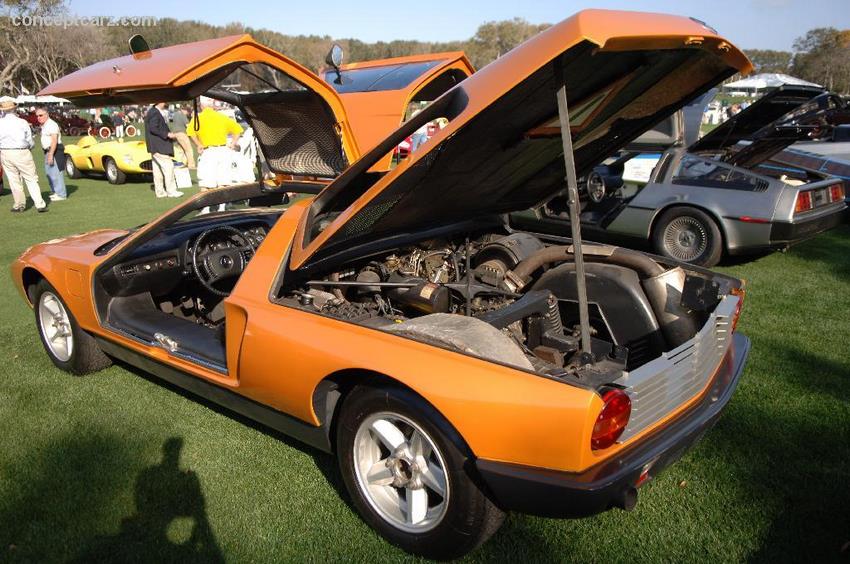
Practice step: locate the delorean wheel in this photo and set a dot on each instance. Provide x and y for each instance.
(689, 235)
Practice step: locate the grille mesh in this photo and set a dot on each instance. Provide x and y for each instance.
(298, 134)
(661, 386)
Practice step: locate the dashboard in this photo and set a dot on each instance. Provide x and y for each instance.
(161, 263)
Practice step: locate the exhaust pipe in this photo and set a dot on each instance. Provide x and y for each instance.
(627, 500)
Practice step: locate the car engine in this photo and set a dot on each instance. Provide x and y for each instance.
(511, 299)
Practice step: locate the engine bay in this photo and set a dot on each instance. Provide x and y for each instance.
(511, 298)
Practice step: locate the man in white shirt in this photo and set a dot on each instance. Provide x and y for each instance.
(15, 145)
(51, 142)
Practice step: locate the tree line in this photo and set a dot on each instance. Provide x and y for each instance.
(33, 56)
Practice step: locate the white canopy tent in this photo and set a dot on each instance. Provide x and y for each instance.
(765, 81)
(32, 99)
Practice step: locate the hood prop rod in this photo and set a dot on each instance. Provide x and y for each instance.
(572, 198)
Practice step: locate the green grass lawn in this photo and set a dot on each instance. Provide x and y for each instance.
(83, 474)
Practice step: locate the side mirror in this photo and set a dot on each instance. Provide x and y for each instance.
(138, 45)
(334, 56)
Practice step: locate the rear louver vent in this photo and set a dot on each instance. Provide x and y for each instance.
(661, 386)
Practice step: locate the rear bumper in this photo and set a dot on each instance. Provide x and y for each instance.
(612, 483)
(786, 234)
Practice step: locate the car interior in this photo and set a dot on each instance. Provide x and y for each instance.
(169, 289)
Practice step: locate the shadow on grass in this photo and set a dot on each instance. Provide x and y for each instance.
(809, 371)
(795, 458)
(831, 249)
(737, 260)
(56, 495)
(170, 523)
(520, 538)
(326, 463)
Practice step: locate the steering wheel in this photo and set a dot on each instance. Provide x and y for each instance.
(212, 266)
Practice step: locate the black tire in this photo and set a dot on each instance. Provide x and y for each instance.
(469, 517)
(689, 235)
(70, 168)
(84, 355)
(113, 174)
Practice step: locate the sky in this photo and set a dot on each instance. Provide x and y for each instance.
(749, 24)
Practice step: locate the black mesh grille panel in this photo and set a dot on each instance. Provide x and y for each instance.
(297, 132)
(367, 217)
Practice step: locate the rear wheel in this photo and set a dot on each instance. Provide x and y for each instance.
(689, 235)
(114, 174)
(68, 346)
(405, 468)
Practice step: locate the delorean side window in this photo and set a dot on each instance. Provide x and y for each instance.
(697, 171)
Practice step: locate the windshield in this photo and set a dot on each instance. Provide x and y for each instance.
(376, 79)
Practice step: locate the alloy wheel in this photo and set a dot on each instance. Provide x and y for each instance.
(55, 326)
(401, 472)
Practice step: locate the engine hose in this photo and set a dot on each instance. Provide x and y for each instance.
(544, 256)
(640, 263)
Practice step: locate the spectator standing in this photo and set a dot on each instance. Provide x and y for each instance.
(16, 157)
(214, 135)
(54, 154)
(159, 143)
(118, 123)
(179, 123)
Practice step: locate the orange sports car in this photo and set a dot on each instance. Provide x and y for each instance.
(458, 369)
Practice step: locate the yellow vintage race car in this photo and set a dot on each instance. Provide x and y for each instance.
(115, 159)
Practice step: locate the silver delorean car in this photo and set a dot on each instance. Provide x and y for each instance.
(717, 195)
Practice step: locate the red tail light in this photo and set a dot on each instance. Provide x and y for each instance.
(836, 193)
(612, 419)
(804, 202)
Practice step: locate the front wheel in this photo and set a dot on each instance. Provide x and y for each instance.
(68, 346)
(689, 235)
(114, 174)
(405, 468)
(70, 168)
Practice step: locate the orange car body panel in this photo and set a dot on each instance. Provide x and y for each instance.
(373, 115)
(278, 355)
(181, 65)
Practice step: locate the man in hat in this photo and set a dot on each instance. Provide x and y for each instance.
(16, 157)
